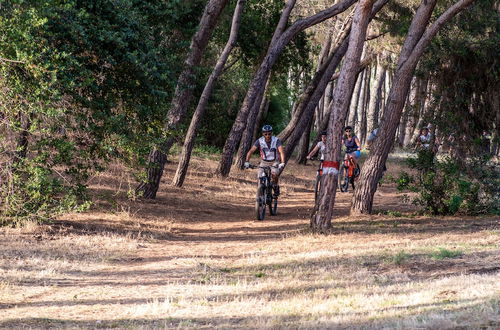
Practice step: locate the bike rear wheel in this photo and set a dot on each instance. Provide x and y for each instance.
(343, 179)
(354, 177)
(273, 206)
(260, 203)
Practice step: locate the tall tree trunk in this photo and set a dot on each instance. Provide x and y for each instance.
(326, 118)
(411, 113)
(380, 96)
(353, 112)
(323, 210)
(182, 96)
(415, 44)
(304, 145)
(207, 91)
(364, 108)
(308, 113)
(256, 86)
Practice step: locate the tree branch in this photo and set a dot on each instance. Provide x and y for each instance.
(2, 59)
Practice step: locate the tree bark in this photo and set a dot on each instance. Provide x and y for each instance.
(246, 139)
(205, 96)
(415, 44)
(182, 96)
(308, 112)
(353, 112)
(262, 113)
(304, 145)
(323, 210)
(364, 107)
(256, 86)
(324, 58)
(22, 139)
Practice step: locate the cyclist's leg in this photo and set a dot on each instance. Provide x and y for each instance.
(275, 175)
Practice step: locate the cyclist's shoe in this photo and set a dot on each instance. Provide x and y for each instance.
(276, 190)
(356, 172)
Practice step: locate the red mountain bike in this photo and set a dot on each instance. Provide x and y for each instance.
(348, 173)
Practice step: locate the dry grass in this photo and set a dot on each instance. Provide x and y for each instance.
(194, 258)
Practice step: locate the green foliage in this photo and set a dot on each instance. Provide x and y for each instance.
(463, 60)
(443, 253)
(84, 82)
(400, 257)
(444, 187)
(258, 23)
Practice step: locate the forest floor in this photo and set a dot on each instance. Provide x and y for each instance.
(196, 258)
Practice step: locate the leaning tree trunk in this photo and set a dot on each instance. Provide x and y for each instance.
(182, 96)
(308, 113)
(304, 145)
(256, 86)
(305, 96)
(326, 118)
(334, 61)
(415, 44)
(247, 137)
(323, 210)
(207, 91)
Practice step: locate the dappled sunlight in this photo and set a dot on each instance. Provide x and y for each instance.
(201, 260)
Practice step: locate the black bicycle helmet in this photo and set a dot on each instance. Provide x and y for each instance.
(324, 133)
(267, 128)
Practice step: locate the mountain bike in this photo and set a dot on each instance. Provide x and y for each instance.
(265, 196)
(348, 173)
(317, 182)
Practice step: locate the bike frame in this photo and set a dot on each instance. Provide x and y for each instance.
(349, 164)
(265, 182)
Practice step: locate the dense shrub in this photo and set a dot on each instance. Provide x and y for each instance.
(445, 187)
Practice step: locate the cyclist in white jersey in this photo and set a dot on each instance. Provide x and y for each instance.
(321, 146)
(271, 154)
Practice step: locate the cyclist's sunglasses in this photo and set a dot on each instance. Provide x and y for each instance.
(267, 133)
(348, 130)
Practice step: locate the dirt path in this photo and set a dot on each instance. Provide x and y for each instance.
(196, 258)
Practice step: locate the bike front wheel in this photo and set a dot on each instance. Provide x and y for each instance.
(260, 203)
(317, 186)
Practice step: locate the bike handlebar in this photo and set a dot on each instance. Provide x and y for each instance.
(259, 166)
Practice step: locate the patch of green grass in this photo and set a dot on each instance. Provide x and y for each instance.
(260, 274)
(443, 253)
(395, 214)
(206, 151)
(400, 257)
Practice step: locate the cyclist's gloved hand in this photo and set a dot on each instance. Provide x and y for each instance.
(308, 157)
(281, 166)
(247, 165)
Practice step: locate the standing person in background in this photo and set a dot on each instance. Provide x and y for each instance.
(424, 139)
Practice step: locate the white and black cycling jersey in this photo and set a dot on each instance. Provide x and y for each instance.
(268, 151)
